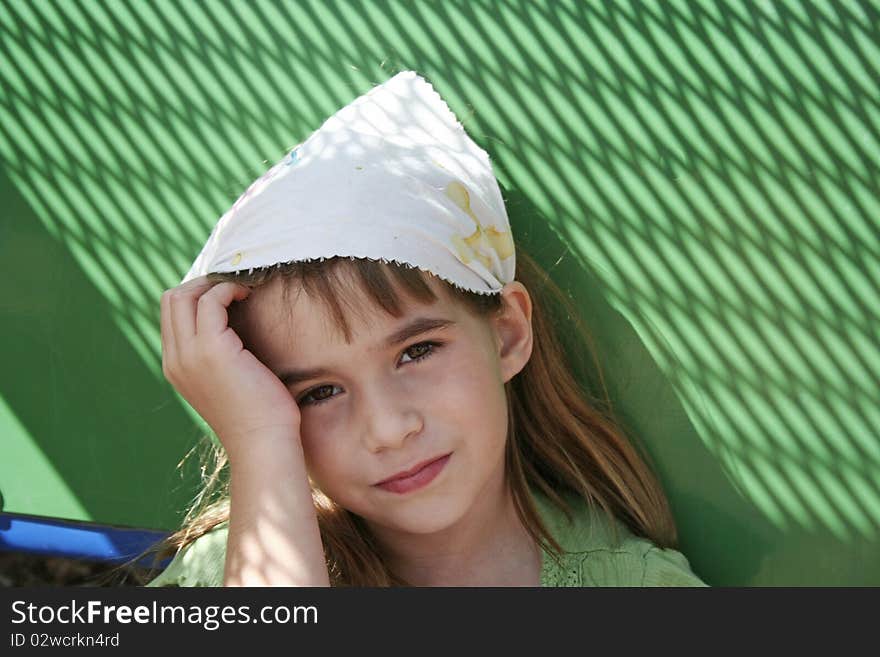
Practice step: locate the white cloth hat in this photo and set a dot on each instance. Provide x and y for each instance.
(392, 176)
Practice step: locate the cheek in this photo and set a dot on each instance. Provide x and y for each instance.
(472, 392)
(321, 429)
(325, 462)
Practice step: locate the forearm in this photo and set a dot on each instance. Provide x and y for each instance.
(273, 537)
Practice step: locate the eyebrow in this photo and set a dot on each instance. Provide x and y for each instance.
(416, 327)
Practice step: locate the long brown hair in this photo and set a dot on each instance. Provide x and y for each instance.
(563, 436)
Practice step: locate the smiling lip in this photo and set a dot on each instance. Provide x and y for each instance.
(421, 475)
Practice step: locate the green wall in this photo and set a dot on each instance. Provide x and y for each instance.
(701, 176)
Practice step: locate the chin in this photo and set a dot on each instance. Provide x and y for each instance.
(435, 515)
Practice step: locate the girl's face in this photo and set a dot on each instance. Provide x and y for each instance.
(404, 391)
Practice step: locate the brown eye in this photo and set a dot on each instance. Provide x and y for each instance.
(421, 351)
(315, 396)
(316, 393)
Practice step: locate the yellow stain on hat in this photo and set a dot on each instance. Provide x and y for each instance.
(481, 241)
(236, 259)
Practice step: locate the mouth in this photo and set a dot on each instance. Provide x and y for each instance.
(416, 477)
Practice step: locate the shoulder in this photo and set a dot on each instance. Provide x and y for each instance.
(665, 567)
(201, 563)
(632, 564)
(601, 551)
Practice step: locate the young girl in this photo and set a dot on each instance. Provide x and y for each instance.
(373, 351)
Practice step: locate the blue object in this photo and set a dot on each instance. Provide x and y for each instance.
(75, 539)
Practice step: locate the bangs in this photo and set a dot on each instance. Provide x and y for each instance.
(358, 285)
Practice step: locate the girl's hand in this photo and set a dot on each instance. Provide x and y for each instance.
(205, 360)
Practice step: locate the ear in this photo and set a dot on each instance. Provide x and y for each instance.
(513, 330)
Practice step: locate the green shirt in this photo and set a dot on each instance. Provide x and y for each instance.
(590, 557)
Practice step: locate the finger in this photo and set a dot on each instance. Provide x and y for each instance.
(194, 282)
(212, 316)
(183, 308)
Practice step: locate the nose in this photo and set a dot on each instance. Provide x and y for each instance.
(389, 418)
